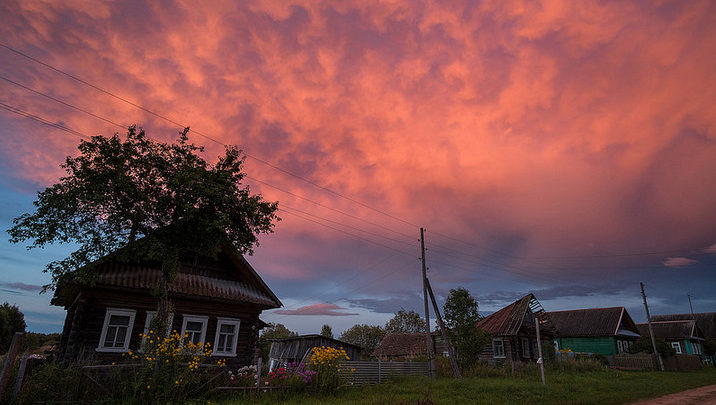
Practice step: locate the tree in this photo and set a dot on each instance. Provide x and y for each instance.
(273, 331)
(11, 321)
(405, 322)
(366, 336)
(461, 315)
(327, 331)
(137, 198)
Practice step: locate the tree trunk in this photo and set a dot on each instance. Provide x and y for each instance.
(170, 268)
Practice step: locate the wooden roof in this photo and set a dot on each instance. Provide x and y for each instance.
(684, 329)
(402, 344)
(229, 277)
(706, 321)
(592, 322)
(509, 320)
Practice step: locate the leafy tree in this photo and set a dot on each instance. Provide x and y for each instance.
(460, 318)
(405, 322)
(366, 336)
(11, 321)
(643, 345)
(273, 331)
(117, 192)
(327, 331)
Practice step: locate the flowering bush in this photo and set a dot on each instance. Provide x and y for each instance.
(169, 366)
(243, 377)
(326, 361)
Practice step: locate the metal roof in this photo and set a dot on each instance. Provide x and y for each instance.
(706, 321)
(229, 277)
(402, 344)
(685, 329)
(508, 320)
(592, 322)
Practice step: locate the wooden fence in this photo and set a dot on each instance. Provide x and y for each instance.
(634, 362)
(369, 372)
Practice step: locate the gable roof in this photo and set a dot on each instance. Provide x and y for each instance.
(593, 322)
(402, 344)
(230, 277)
(684, 329)
(509, 320)
(706, 321)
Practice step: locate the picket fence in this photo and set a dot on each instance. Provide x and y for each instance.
(634, 362)
(371, 372)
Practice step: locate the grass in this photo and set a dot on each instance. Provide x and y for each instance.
(594, 387)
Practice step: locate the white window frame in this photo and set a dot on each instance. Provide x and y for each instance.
(620, 346)
(494, 348)
(226, 321)
(107, 316)
(148, 320)
(194, 318)
(677, 346)
(525, 347)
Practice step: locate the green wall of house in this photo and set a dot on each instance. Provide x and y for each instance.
(606, 345)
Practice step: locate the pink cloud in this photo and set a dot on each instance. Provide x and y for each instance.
(540, 128)
(711, 249)
(679, 262)
(317, 310)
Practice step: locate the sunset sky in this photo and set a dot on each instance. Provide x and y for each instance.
(562, 148)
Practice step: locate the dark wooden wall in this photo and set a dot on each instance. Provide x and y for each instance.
(85, 318)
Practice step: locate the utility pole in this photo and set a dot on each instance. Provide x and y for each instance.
(428, 338)
(690, 307)
(540, 360)
(451, 352)
(651, 330)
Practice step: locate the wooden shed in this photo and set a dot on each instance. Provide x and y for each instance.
(215, 300)
(297, 348)
(513, 331)
(408, 346)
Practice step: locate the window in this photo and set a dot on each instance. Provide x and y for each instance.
(697, 347)
(227, 332)
(526, 348)
(620, 346)
(148, 321)
(193, 328)
(116, 330)
(498, 348)
(676, 346)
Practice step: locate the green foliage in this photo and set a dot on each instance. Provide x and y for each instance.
(643, 345)
(405, 322)
(34, 341)
(366, 336)
(11, 321)
(326, 331)
(273, 331)
(326, 362)
(118, 191)
(460, 318)
(55, 382)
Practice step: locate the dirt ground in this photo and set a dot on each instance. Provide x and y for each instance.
(704, 395)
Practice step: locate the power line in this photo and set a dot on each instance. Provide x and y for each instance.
(158, 115)
(62, 102)
(42, 120)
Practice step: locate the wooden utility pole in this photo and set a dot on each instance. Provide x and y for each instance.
(428, 338)
(443, 331)
(9, 360)
(690, 307)
(540, 360)
(651, 330)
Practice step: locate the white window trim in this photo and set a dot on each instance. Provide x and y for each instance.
(148, 320)
(226, 321)
(194, 318)
(121, 312)
(677, 346)
(494, 354)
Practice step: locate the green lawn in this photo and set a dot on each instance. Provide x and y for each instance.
(598, 387)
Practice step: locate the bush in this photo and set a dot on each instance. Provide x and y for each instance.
(326, 362)
(55, 382)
